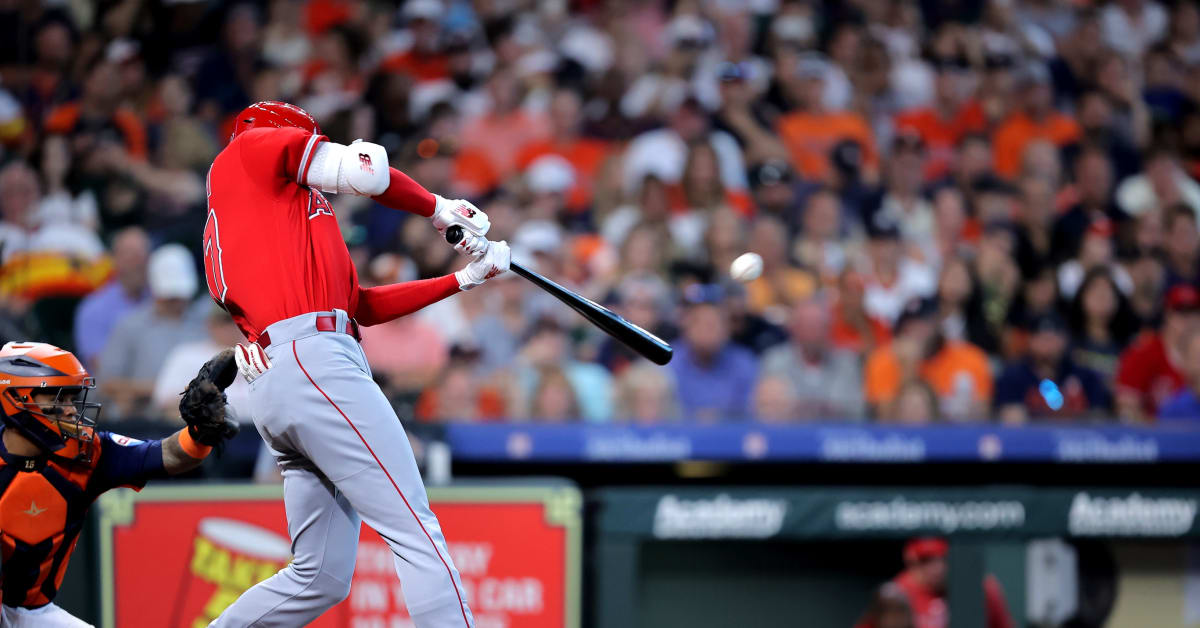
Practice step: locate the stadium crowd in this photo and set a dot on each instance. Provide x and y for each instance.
(967, 210)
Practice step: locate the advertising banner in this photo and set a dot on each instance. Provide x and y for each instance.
(1016, 512)
(175, 557)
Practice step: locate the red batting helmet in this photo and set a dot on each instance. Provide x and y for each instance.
(64, 426)
(273, 113)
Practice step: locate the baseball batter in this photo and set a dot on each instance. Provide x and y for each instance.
(275, 259)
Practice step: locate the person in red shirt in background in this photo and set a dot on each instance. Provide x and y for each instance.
(950, 117)
(585, 154)
(1150, 369)
(923, 582)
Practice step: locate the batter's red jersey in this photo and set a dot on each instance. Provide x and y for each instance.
(272, 246)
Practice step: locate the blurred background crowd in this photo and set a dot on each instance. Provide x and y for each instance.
(968, 210)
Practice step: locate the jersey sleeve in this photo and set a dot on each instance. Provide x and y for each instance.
(277, 155)
(126, 461)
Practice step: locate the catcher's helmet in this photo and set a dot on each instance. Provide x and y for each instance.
(65, 426)
(272, 113)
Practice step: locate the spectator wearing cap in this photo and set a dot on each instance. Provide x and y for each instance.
(713, 377)
(1151, 368)
(826, 382)
(903, 203)
(742, 116)
(1097, 250)
(1184, 407)
(943, 123)
(957, 371)
(893, 278)
(1181, 247)
(1162, 183)
(584, 154)
(1035, 119)
(811, 131)
(141, 341)
(99, 312)
(1047, 384)
(773, 191)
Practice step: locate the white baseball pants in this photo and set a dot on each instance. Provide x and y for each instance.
(344, 455)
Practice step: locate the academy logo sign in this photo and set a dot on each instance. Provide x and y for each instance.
(946, 517)
(721, 517)
(1133, 515)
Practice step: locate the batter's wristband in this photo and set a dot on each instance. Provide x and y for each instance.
(191, 447)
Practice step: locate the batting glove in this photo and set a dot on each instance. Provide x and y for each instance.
(493, 262)
(447, 212)
(251, 361)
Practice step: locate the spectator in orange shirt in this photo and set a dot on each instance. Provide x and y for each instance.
(98, 117)
(811, 132)
(852, 328)
(585, 154)
(1036, 119)
(957, 371)
(424, 60)
(946, 120)
(490, 142)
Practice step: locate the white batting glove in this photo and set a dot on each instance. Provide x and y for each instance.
(449, 212)
(493, 262)
(251, 361)
(472, 245)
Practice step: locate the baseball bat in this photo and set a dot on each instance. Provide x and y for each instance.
(643, 342)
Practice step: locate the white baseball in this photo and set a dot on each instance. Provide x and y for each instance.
(747, 267)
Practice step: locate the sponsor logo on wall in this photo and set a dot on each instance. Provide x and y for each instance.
(1132, 515)
(719, 517)
(1092, 447)
(863, 445)
(902, 515)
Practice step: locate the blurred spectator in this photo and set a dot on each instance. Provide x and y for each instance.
(405, 354)
(644, 301)
(140, 341)
(826, 382)
(1185, 405)
(646, 395)
(713, 377)
(663, 152)
(1132, 26)
(1047, 384)
(889, 609)
(957, 371)
(893, 278)
(818, 246)
(99, 312)
(852, 328)
(185, 360)
(547, 351)
(460, 394)
(781, 284)
(1034, 119)
(1151, 368)
(960, 307)
(903, 204)
(28, 224)
(584, 154)
(811, 130)
(775, 400)
(1161, 184)
(1101, 323)
(554, 399)
(226, 73)
(1096, 251)
(98, 117)
(1181, 247)
(1094, 188)
(948, 119)
(915, 404)
(492, 139)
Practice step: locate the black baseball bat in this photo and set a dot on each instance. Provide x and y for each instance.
(643, 342)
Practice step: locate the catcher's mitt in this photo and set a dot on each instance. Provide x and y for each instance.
(203, 404)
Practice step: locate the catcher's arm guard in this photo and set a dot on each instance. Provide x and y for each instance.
(209, 420)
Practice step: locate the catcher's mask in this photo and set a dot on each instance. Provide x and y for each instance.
(43, 395)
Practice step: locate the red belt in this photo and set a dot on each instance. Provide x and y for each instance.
(325, 322)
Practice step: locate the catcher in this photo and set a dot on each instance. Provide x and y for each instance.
(54, 464)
